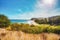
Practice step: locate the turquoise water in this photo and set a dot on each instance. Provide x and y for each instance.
(19, 21)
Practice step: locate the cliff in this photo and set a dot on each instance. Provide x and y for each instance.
(54, 20)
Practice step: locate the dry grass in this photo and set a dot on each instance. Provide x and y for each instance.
(18, 35)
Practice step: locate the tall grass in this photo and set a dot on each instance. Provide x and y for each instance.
(34, 28)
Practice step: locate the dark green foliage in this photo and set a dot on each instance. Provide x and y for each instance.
(57, 31)
(4, 21)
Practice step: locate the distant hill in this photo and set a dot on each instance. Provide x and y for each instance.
(54, 20)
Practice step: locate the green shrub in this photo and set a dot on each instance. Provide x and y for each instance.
(4, 21)
(57, 30)
(50, 30)
(35, 29)
(15, 27)
(53, 29)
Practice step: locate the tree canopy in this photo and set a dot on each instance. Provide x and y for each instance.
(4, 21)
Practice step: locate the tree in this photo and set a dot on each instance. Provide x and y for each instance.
(4, 21)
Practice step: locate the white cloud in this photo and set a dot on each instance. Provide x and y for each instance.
(46, 4)
(40, 10)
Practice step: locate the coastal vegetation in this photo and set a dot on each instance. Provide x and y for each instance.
(4, 21)
(43, 27)
(35, 29)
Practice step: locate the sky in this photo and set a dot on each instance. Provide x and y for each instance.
(27, 9)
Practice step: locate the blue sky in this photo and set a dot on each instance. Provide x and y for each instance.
(26, 9)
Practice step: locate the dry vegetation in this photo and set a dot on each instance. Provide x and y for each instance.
(19, 35)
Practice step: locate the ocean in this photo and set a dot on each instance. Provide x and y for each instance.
(19, 21)
(24, 21)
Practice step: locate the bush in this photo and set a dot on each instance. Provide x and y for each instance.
(4, 21)
(15, 27)
(57, 30)
(35, 29)
(53, 29)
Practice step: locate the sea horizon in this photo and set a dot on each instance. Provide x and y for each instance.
(19, 20)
